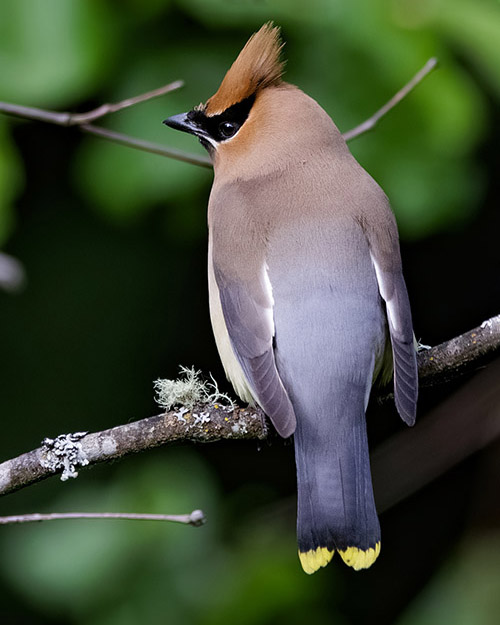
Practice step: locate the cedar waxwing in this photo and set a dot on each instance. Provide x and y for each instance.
(306, 290)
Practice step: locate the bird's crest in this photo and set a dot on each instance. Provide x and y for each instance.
(258, 66)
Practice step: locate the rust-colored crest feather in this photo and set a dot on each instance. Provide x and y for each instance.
(258, 66)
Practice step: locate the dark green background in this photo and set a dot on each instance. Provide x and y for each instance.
(114, 245)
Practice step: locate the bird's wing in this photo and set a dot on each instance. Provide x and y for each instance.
(386, 258)
(247, 307)
(237, 256)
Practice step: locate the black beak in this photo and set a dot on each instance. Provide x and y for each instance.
(182, 123)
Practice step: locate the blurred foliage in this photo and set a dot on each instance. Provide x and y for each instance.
(80, 568)
(54, 51)
(11, 176)
(113, 241)
(465, 591)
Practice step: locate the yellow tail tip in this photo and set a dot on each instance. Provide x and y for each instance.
(359, 559)
(314, 559)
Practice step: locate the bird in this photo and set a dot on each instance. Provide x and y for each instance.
(308, 303)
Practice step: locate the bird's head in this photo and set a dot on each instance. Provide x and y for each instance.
(221, 118)
(254, 108)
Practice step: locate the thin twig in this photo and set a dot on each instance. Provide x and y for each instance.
(105, 109)
(370, 123)
(81, 120)
(196, 518)
(36, 114)
(147, 146)
(78, 119)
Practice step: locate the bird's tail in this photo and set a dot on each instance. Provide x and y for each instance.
(336, 508)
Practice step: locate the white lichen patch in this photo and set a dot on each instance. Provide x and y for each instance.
(64, 452)
(240, 427)
(421, 346)
(185, 391)
(180, 414)
(188, 391)
(200, 419)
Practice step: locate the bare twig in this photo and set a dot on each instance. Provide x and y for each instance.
(81, 120)
(147, 146)
(105, 109)
(77, 119)
(206, 424)
(402, 93)
(196, 518)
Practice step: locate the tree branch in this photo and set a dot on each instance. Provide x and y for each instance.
(202, 425)
(147, 146)
(81, 120)
(455, 357)
(370, 123)
(210, 423)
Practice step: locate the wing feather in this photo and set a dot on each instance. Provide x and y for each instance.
(392, 288)
(247, 310)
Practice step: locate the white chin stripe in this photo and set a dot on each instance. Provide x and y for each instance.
(208, 139)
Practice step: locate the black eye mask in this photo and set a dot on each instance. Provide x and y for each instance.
(225, 125)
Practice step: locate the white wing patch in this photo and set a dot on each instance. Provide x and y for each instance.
(388, 298)
(268, 289)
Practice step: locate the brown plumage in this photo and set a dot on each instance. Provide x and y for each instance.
(307, 295)
(258, 66)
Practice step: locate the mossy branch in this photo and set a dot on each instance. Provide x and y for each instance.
(207, 421)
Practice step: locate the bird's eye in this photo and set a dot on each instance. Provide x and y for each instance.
(227, 129)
